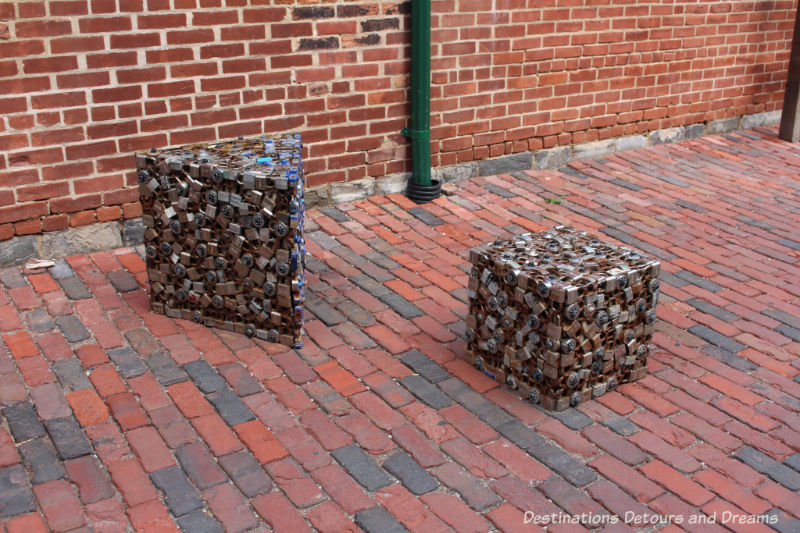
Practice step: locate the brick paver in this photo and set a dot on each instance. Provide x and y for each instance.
(114, 417)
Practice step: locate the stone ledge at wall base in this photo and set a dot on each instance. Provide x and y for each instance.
(108, 235)
(82, 239)
(547, 159)
(336, 193)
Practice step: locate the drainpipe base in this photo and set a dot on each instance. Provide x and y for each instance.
(424, 193)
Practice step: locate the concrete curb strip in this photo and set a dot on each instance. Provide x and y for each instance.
(108, 235)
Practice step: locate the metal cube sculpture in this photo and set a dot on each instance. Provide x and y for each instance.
(224, 234)
(560, 315)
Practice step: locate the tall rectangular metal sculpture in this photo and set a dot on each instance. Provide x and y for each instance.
(561, 315)
(224, 234)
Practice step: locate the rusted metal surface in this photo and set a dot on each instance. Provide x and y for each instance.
(224, 234)
(561, 315)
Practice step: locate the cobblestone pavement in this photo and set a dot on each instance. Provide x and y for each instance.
(116, 418)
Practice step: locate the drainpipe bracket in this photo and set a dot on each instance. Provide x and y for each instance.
(416, 134)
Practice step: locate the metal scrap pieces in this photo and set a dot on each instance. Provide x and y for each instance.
(224, 234)
(560, 315)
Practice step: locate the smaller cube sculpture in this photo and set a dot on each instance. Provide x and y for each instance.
(224, 234)
(560, 315)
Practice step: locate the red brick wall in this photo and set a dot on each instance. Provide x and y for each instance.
(84, 83)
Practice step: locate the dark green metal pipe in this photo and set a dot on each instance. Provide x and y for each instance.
(420, 128)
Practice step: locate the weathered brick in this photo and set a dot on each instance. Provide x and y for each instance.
(230, 407)
(26, 523)
(260, 441)
(42, 459)
(38, 320)
(122, 280)
(143, 341)
(74, 288)
(572, 418)
(661, 449)
(174, 429)
(23, 421)
(321, 309)
(72, 328)
(230, 508)
(517, 461)
(59, 505)
(68, 438)
(150, 515)
(294, 367)
(569, 498)
(560, 462)
(675, 482)
(424, 366)
(425, 391)
(92, 484)
(784, 523)
(408, 509)
(414, 442)
(341, 487)
(363, 469)
(132, 481)
(221, 440)
(71, 375)
(149, 447)
(312, 12)
(328, 517)
(206, 379)
(614, 444)
(378, 520)
(378, 411)
(279, 513)
(129, 363)
(784, 475)
(324, 430)
(246, 473)
(107, 381)
(453, 512)
(240, 380)
(127, 411)
(180, 495)
(199, 521)
(520, 434)
(468, 486)
(410, 473)
(200, 465)
(16, 497)
(716, 338)
(189, 400)
(295, 483)
(793, 461)
(473, 459)
(401, 306)
(731, 491)
(166, 370)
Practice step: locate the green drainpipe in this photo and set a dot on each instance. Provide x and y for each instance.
(421, 188)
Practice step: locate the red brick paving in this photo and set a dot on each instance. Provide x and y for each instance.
(721, 212)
